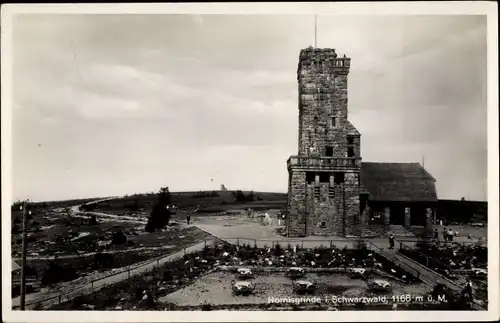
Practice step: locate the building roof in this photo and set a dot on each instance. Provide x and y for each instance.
(398, 182)
(351, 130)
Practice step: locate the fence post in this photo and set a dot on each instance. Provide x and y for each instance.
(205, 240)
(184, 250)
(59, 298)
(272, 244)
(400, 245)
(331, 244)
(158, 263)
(237, 241)
(426, 261)
(302, 244)
(92, 286)
(128, 272)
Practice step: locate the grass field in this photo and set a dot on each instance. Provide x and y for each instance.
(188, 201)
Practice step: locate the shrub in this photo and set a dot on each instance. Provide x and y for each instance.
(57, 273)
(206, 307)
(93, 220)
(119, 238)
(103, 261)
(278, 250)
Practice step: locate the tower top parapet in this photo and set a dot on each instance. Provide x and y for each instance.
(327, 58)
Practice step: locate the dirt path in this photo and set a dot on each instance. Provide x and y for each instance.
(75, 211)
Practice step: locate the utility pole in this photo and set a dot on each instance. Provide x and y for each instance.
(24, 207)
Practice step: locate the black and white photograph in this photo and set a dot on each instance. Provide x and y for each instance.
(258, 160)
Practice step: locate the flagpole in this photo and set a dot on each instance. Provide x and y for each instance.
(315, 31)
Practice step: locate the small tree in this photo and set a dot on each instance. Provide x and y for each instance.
(250, 197)
(160, 215)
(240, 197)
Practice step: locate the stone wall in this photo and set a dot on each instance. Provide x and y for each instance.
(296, 210)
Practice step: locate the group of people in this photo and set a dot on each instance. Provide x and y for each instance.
(447, 234)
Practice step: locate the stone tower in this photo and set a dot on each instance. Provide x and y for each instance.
(323, 184)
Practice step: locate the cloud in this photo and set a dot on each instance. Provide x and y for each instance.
(125, 103)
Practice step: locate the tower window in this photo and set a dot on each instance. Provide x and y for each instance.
(339, 178)
(329, 151)
(324, 177)
(350, 151)
(310, 177)
(350, 140)
(333, 122)
(323, 225)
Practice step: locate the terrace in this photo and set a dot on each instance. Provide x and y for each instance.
(205, 279)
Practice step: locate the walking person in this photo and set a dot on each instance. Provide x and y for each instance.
(188, 218)
(436, 234)
(445, 235)
(467, 291)
(450, 235)
(391, 242)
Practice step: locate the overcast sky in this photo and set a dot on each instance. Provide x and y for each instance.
(119, 104)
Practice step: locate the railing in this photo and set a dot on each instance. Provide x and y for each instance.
(430, 260)
(323, 162)
(394, 260)
(301, 243)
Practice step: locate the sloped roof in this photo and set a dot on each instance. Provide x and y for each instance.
(351, 130)
(398, 182)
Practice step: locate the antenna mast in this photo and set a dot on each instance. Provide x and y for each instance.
(315, 31)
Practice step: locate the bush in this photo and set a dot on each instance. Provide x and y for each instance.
(57, 273)
(206, 307)
(103, 261)
(119, 238)
(93, 220)
(278, 251)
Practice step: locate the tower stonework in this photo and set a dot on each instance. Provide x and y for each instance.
(324, 177)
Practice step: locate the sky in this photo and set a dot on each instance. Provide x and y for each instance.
(107, 105)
